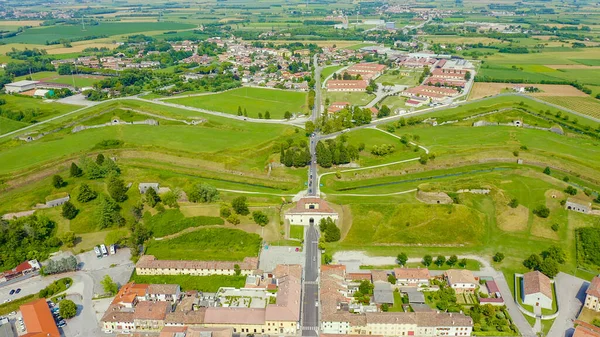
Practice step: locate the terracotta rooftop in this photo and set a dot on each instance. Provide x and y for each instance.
(346, 84)
(594, 288)
(186, 318)
(535, 282)
(116, 313)
(359, 276)
(150, 262)
(379, 275)
(147, 310)
(163, 289)
(287, 306)
(585, 329)
(221, 315)
(129, 292)
(492, 286)
(304, 206)
(38, 319)
(412, 273)
(460, 276)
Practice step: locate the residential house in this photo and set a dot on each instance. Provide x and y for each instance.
(461, 280)
(347, 85)
(163, 292)
(592, 295)
(38, 319)
(536, 290)
(149, 265)
(412, 277)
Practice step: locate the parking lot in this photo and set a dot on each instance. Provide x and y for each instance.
(271, 256)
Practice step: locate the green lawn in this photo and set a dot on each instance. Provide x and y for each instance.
(8, 125)
(370, 138)
(172, 221)
(51, 76)
(397, 307)
(410, 80)
(297, 232)
(254, 100)
(200, 283)
(354, 98)
(41, 35)
(414, 224)
(221, 244)
(329, 70)
(38, 108)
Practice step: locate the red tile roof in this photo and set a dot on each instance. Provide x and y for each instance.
(594, 288)
(536, 282)
(38, 319)
(492, 286)
(347, 84)
(302, 206)
(149, 261)
(411, 273)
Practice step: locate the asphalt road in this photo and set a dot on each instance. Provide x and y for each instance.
(310, 295)
(570, 291)
(313, 188)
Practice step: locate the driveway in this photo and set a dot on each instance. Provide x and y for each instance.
(571, 295)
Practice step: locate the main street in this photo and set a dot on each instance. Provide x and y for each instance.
(310, 295)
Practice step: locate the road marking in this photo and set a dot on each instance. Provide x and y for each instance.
(313, 328)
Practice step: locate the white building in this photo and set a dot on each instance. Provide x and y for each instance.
(412, 277)
(310, 211)
(461, 280)
(592, 295)
(20, 86)
(537, 290)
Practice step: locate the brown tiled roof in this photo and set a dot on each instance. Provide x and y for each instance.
(422, 319)
(535, 282)
(220, 315)
(186, 318)
(38, 319)
(412, 273)
(359, 276)
(287, 306)
(149, 261)
(379, 275)
(347, 84)
(215, 332)
(129, 292)
(151, 310)
(594, 288)
(163, 289)
(301, 206)
(460, 276)
(170, 331)
(116, 313)
(585, 329)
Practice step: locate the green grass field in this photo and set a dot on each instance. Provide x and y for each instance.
(297, 232)
(51, 76)
(8, 125)
(200, 283)
(41, 109)
(354, 98)
(172, 221)
(329, 70)
(254, 100)
(53, 33)
(220, 244)
(371, 138)
(412, 224)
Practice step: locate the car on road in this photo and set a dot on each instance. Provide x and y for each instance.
(18, 290)
(12, 291)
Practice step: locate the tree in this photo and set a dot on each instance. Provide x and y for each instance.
(69, 211)
(462, 263)
(533, 262)
(225, 211)
(75, 171)
(514, 203)
(233, 219)
(549, 267)
(237, 269)
(240, 206)
(571, 190)
(67, 309)
(427, 260)
(467, 75)
(170, 198)
(203, 193)
(260, 116)
(541, 211)
(57, 181)
(452, 260)
(68, 239)
(152, 197)
(365, 287)
(100, 159)
(385, 307)
(309, 126)
(547, 170)
(239, 111)
(109, 286)
(327, 258)
(402, 258)
(440, 260)
(260, 218)
(116, 188)
(330, 231)
(392, 279)
(86, 193)
(287, 115)
(556, 253)
(108, 213)
(267, 115)
(498, 257)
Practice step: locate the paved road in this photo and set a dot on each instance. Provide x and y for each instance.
(310, 295)
(313, 187)
(570, 291)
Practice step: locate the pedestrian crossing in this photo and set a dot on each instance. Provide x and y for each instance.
(311, 282)
(310, 328)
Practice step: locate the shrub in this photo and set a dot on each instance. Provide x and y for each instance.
(541, 211)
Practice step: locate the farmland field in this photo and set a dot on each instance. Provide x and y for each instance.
(354, 98)
(484, 89)
(219, 244)
(42, 34)
(254, 100)
(585, 105)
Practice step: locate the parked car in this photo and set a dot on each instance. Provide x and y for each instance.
(11, 292)
(18, 290)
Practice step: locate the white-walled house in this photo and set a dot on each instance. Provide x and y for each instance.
(537, 290)
(310, 211)
(461, 280)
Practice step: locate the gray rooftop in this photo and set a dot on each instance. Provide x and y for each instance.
(415, 296)
(383, 293)
(23, 83)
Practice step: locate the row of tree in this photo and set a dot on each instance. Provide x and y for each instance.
(336, 152)
(61, 266)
